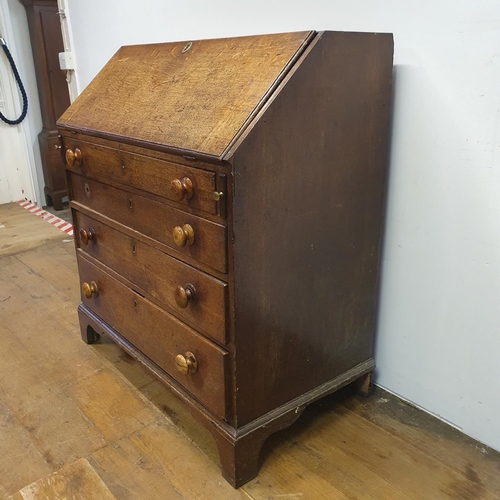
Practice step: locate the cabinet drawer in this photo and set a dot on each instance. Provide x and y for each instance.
(158, 335)
(158, 274)
(156, 220)
(188, 186)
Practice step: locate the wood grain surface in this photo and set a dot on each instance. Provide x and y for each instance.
(13, 239)
(308, 222)
(80, 421)
(77, 481)
(145, 173)
(158, 335)
(157, 275)
(153, 219)
(195, 100)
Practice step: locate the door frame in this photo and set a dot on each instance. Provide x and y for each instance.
(67, 34)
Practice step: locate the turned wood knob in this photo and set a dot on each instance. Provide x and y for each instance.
(73, 157)
(182, 188)
(184, 295)
(183, 235)
(90, 290)
(186, 364)
(87, 235)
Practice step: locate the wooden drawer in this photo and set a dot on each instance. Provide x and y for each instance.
(158, 274)
(147, 174)
(158, 335)
(154, 219)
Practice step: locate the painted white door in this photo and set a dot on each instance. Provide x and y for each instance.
(16, 181)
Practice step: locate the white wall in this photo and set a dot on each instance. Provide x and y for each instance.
(21, 166)
(439, 330)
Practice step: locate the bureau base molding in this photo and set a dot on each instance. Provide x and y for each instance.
(239, 449)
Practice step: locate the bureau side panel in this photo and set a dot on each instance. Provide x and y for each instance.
(308, 210)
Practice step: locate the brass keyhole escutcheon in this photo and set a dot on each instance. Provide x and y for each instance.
(186, 364)
(87, 190)
(187, 47)
(182, 189)
(87, 235)
(90, 290)
(185, 295)
(183, 235)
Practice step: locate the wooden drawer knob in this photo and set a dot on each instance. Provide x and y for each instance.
(73, 157)
(90, 290)
(183, 235)
(182, 189)
(184, 295)
(186, 364)
(87, 235)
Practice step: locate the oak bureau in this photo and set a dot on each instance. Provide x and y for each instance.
(228, 201)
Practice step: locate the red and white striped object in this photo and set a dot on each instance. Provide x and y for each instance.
(51, 219)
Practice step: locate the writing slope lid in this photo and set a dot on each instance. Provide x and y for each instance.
(189, 97)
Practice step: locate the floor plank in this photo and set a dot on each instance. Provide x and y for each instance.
(77, 481)
(143, 462)
(60, 431)
(22, 230)
(443, 442)
(20, 460)
(79, 421)
(111, 405)
(339, 469)
(126, 472)
(394, 459)
(191, 472)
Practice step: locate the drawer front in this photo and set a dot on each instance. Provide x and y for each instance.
(158, 335)
(189, 186)
(204, 305)
(156, 220)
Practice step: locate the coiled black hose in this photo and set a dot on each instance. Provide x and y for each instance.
(20, 85)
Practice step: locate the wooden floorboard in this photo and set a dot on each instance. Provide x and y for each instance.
(88, 422)
(77, 481)
(20, 230)
(444, 443)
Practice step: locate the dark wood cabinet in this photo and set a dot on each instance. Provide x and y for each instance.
(228, 199)
(46, 42)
